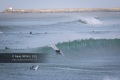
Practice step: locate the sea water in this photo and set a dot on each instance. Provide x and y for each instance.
(89, 41)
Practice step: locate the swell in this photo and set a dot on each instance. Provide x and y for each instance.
(80, 20)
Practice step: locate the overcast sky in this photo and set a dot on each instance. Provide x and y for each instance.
(37, 4)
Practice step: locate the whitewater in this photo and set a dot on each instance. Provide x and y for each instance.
(90, 43)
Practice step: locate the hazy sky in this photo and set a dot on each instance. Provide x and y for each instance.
(4, 4)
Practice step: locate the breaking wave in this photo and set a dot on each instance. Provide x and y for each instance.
(93, 21)
(88, 50)
(87, 45)
(79, 45)
(85, 20)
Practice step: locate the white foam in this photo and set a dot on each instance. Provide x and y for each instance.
(54, 47)
(1, 32)
(110, 78)
(93, 21)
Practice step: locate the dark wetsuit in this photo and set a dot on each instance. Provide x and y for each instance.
(57, 50)
(6, 48)
(30, 32)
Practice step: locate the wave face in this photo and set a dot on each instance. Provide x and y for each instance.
(85, 50)
(87, 44)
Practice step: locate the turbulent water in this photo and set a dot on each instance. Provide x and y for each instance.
(90, 43)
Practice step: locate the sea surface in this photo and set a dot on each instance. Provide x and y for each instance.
(89, 41)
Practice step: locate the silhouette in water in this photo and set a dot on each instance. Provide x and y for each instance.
(30, 32)
(6, 48)
(34, 67)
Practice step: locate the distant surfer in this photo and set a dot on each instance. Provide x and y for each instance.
(31, 68)
(96, 17)
(6, 48)
(30, 32)
(34, 67)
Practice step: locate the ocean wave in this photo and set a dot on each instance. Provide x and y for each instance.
(85, 20)
(91, 21)
(77, 45)
(87, 44)
(88, 50)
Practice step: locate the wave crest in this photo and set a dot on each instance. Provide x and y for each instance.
(93, 21)
(90, 43)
